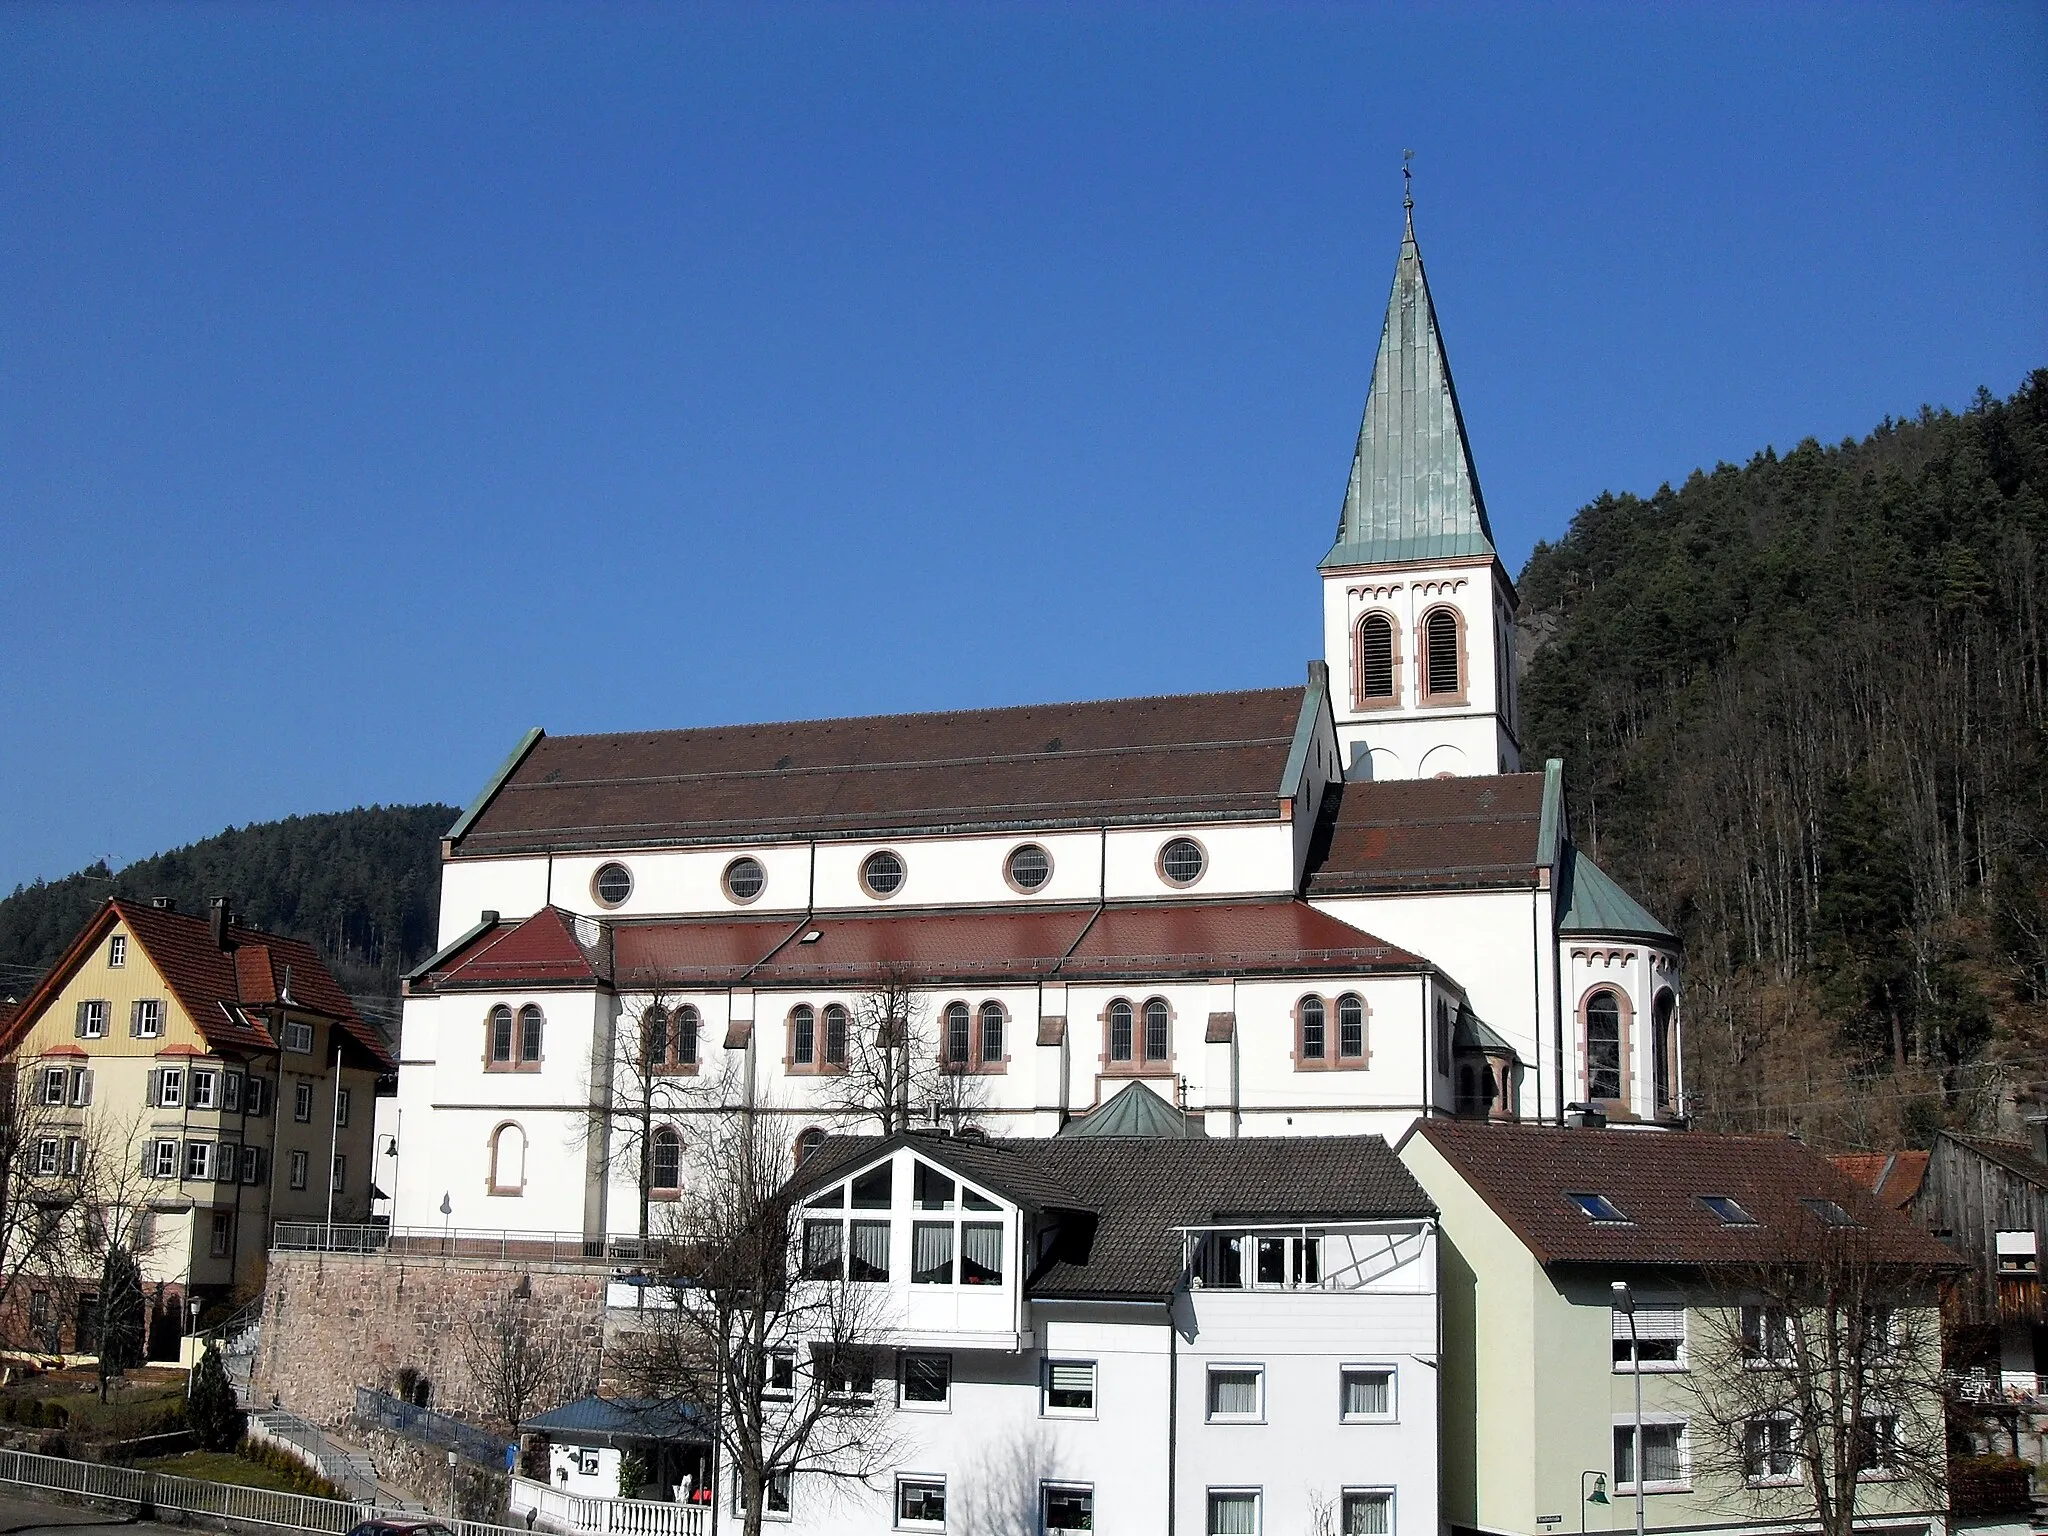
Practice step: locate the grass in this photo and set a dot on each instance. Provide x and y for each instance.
(220, 1467)
(135, 1402)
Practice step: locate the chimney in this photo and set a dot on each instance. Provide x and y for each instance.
(217, 919)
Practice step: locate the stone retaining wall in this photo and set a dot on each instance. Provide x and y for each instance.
(333, 1322)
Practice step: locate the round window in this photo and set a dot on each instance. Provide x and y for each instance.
(882, 873)
(745, 879)
(1182, 861)
(1030, 867)
(613, 884)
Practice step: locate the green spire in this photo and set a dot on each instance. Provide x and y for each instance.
(1413, 492)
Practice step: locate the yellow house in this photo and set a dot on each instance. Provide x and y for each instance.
(1542, 1355)
(197, 1081)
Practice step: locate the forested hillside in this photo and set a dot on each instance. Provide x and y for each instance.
(1802, 706)
(362, 885)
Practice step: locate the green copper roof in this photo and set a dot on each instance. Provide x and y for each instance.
(1135, 1111)
(1472, 1033)
(1595, 904)
(1413, 493)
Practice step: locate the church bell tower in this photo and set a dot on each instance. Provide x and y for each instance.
(1418, 613)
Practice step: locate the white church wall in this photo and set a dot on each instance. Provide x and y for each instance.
(1276, 1090)
(1636, 972)
(513, 888)
(1242, 859)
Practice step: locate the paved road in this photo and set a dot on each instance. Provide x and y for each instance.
(30, 1517)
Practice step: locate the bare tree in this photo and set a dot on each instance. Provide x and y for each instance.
(897, 1066)
(519, 1359)
(1819, 1384)
(781, 1363)
(650, 1079)
(43, 1184)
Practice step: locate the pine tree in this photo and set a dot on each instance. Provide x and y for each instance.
(215, 1420)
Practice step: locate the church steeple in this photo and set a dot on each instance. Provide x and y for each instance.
(1413, 493)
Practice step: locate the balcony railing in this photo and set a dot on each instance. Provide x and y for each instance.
(1319, 1257)
(461, 1243)
(574, 1515)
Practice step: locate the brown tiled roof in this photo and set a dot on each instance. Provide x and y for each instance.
(218, 988)
(1115, 760)
(1528, 1173)
(541, 950)
(1403, 834)
(1894, 1177)
(1138, 1190)
(1156, 940)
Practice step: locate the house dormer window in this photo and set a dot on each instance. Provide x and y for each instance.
(117, 951)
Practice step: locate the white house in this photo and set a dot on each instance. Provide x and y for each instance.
(1084, 1331)
(1326, 908)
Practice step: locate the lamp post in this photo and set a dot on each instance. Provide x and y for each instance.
(1625, 1301)
(1597, 1496)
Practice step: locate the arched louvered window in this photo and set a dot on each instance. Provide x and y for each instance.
(803, 1036)
(959, 1032)
(1664, 1050)
(529, 1035)
(1120, 1020)
(1603, 1045)
(991, 1033)
(1440, 653)
(808, 1141)
(1314, 1029)
(667, 1172)
(654, 1034)
(835, 1035)
(1158, 1030)
(688, 1023)
(1350, 1027)
(1376, 657)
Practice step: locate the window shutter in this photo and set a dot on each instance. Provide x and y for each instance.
(149, 1159)
(78, 1022)
(81, 1088)
(135, 1019)
(1073, 1376)
(1652, 1323)
(156, 1086)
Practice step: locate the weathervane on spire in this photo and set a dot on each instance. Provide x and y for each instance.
(1407, 181)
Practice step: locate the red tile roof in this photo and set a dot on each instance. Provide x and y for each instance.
(216, 987)
(1400, 834)
(1115, 760)
(1528, 1173)
(1894, 1177)
(1162, 940)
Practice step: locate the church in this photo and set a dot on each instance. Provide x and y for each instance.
(1333, 907)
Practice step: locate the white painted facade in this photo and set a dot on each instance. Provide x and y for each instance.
(1151, 1431)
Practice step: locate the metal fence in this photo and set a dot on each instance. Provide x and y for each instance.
(415, 1423)
(160, 1491)
(461, 1243)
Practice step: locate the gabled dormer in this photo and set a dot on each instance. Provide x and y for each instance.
(1418, 612)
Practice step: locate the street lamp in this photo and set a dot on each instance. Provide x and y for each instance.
(1597, 1496)
(1625, 1301)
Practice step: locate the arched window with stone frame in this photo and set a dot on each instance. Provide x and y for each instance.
(1604, 1016)
(1442, 654)
(1376, 670)
(507, 1174)
(1119, 1028)
(1664, 1066)
(665, 1162)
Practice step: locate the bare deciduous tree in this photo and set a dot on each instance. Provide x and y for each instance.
(781, 1365)
(1822, 1385)
(897, 1067)
(520, 1365)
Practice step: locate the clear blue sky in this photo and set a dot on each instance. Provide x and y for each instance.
(378, 380)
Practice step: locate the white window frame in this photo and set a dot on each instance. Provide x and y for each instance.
(302, 1103)
(49, 1155)
(170, 1087)
(1372, 1367)
(739, 1497)
(301, 1169)
(164, 1158)
(1209, 1496)
(199, 1162)
(1884, 1472)
(903, 1402)
(149, 1018)
(1233, 1367)
(205, 1089)
(59, 1079)
(1049, 1486)
(257, 1088)
(1654, 1420)
(337, 1180)
(341, 1106)
(1368, 1491)
(221, 1239)
(298, 1037)
(1619, 1328)
(95, 1026)
(901, 1522)
(117, 951)
(1046, 1408)
(81, 1087)
(771, 1391)
(231, 1092)
(252, 1164)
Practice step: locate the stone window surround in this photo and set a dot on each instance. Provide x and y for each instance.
(1423, 694)
(974, 1066)
(1330, 1061)
(1139, 1065)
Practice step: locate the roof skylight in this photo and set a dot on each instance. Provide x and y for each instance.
(1599, 1207)
(1829, 1214)
(1725, 1207)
